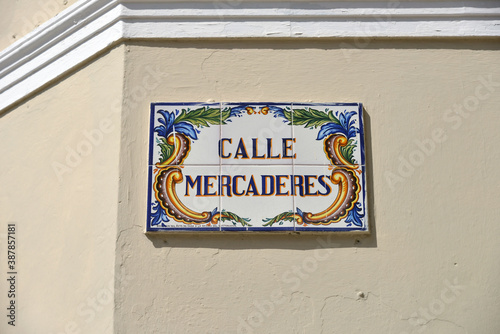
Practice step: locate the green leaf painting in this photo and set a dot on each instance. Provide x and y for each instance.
(282, 217)
(200, 117)
(229, 216)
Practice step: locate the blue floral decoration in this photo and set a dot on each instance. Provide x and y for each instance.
(167, 122)
(345, 127)
(299, 212)
(354, 216)
(168, 126)
(238, 111)
(158, 215)
(214, 212)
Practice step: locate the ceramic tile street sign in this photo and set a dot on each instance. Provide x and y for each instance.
(256, 167)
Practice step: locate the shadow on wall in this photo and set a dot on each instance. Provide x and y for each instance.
(280, 240)
(349, 45)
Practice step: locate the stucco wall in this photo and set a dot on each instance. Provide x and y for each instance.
(430, 264)
(431, 261)
(59, 185)
(20, 17)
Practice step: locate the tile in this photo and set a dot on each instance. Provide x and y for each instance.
(185, 134)
(322, 204)
(259, 193)
(256, 134)
(257, 167)
(321, 130)
(183, 198)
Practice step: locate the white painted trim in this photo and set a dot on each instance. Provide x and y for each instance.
(90, 26)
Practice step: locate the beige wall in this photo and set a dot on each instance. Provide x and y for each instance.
(22, 16)
(433, 253)
(64, 205)
(432, 256)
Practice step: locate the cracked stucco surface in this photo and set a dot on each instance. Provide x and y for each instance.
(429, 266)
(67, 224)
(22, 16)
(430, 231)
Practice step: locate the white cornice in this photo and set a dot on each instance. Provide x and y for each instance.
(89, 27)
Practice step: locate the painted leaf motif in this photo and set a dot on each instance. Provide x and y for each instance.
(299, 212)
(229, 216)
(158, 216)
(283, 113)
(330, 129)
(200, 117)
(231, 112)
(284, 216)
(345, 126)
(309, 117)
(312, 118)
(166, 149)
(348, 124)
(348, 151)
(187, 129)
(190, 122)
(333, 118)
(167, 122)
(354, 216)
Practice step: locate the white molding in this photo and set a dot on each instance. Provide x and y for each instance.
(91, 26)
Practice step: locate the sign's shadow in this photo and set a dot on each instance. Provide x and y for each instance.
(283, 240)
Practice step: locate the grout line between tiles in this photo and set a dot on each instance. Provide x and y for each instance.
(220, 165)
(244, 167)
(293, 170)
